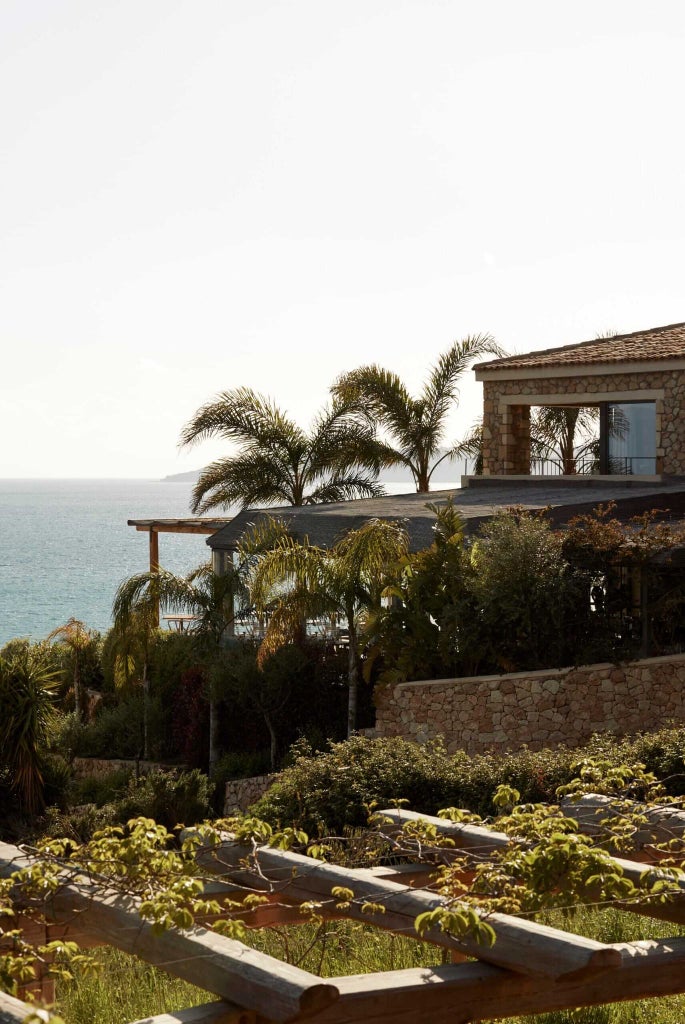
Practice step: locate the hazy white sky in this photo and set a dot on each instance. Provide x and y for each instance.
(200, 195)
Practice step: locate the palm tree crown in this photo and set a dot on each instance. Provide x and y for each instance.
(278, 462)
(415, 425)
(298, 580)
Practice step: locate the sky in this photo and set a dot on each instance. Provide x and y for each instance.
(196, 196)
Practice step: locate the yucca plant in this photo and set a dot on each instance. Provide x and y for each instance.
(28, 693)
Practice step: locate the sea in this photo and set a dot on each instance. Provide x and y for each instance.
(65, 547)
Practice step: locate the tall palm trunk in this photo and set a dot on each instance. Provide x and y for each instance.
(273, 738)
(352, 673)
(214, 737)
(78, 699)
(146, 713)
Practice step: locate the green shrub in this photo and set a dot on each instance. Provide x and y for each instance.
(331, 791)
(168, 798)
(77, 823)
(241, 766)
(100, 789)
(115, 731)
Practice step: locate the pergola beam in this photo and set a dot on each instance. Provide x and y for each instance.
(221, 965)
(475, 991)
(524, 946)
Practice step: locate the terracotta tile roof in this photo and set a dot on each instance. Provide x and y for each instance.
(656, 343)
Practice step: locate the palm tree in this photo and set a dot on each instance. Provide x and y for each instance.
(77, 637)
(297, 581)
(278, 462)
(132, 637)
(565, 435)
(207, 596)
(28, 691)
(415, 425)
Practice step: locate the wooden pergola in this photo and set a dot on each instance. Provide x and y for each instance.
(153, 527)
(531, 968)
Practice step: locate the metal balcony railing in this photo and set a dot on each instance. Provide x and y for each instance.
(619, 465)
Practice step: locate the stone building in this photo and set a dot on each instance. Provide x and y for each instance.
(636, 381)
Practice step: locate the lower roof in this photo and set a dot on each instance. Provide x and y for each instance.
(325, 524)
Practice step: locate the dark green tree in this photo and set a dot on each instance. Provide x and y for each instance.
(297, 580)
(212, 599)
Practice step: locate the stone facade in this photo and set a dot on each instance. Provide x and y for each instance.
(242, 793)
(506, 437)
(495, 714)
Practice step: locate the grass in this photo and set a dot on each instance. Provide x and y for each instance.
(127, 989)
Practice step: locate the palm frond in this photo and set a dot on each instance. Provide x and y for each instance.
(440, 389)
(345, 488)
(470, 447)
(249, 480)
(241, 415)
(380, 394)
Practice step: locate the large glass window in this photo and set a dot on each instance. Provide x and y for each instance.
(631, 437)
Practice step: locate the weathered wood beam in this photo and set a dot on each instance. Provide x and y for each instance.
(13, 1011)
(179, 526)
(220, 965)
(662, 822)
(475, 991)
(475, 838)
(219, 1012)
(532, 949)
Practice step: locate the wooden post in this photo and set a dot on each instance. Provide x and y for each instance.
(154, 561)
(42, 987)
(532, 949)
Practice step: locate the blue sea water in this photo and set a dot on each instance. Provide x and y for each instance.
(65, 547)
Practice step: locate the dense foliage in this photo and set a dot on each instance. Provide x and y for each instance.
(327, 792)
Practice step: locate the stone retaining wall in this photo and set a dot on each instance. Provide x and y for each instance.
(242, 793)
(498, 713)
(87, 767)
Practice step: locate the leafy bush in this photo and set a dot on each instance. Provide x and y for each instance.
(115, 731)
(100, 789)
(78, 823)
(241, 766)
(169, 799)
(333, 790)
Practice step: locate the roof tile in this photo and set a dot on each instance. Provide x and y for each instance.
(654, 344)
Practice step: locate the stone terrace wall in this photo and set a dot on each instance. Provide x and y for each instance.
(498, 713)
(241, 793)
(86, 767)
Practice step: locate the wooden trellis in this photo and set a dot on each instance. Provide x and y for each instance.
(531, 968)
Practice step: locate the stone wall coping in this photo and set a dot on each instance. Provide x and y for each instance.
(546, 673)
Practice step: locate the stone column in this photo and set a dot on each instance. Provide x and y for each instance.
(518, 455)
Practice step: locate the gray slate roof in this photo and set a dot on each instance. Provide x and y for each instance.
(325, 524)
